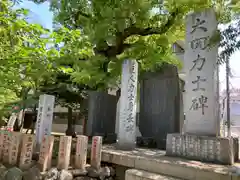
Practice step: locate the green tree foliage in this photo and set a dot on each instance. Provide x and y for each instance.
(230, 35)
(26, 60)
(115, 30)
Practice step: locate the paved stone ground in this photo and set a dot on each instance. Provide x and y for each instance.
(155, 161)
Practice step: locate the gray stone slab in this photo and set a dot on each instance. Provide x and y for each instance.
(218, 150)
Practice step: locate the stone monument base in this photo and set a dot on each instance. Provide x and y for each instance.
(219, 150)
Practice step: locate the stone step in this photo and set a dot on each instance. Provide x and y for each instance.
(136, 174)
(155, 161)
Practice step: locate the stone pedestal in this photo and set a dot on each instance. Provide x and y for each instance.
(202, 148)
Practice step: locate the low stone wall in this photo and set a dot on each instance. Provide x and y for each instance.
(218, 150)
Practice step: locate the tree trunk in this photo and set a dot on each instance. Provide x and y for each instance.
(71, 124)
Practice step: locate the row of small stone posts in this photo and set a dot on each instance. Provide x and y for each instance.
(17, 149)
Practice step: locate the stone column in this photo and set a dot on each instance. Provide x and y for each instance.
(81, 152)
(16, 138)
(64, 152)
(96, 152)
(200, 66)
(127, 114)
(26, 151)
(44, 118)
(45, 156)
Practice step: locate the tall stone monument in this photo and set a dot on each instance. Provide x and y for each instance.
(101, 116)
(200, 65)
(127, 114)
(202, 126)
(159, 106)
(44, 118)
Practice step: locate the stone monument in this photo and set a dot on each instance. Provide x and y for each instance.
(159, 106)
(44, 118)
(101, 116)
(96, 152)
(128, 99)
(202, 126)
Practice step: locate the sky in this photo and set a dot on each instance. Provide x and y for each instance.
(41, 14)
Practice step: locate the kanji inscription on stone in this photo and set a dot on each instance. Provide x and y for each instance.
(96, 152)
(45, 155)
(81, 152)
(14, 146)
(64, 152)
(26, 151)
(200, 63)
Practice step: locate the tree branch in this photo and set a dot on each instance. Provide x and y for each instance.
(113, 51)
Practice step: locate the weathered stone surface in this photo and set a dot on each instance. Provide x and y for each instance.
(25, 161)
(92, 172)
(159, 106)
(200, 104)
(14, 174)
(65, 175)
(210, 149)
(15, 140)
(78, 172)
(44, 117)
(45, 155)
(135, 174)
(79, 178)
(32, 174)
(112, 171)
(128, 107)
(64, 152)
(104, 172)
(3, 171)
(81, 152)
(96, 152)
(156, 161)
(100, 123)
(52, 174)
(85, 178)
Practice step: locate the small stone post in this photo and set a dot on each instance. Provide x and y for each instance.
(64, 152)
(6, 141)
(96, 152)
(45, 156)
(1, 144)
(81, 152)
(26, 151)
(14, 147)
